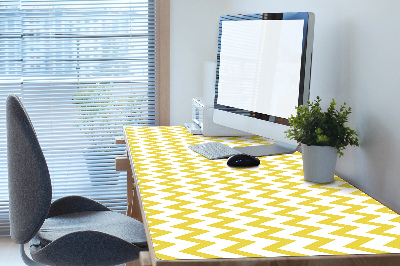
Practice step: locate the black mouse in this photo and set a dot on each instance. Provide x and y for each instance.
(242, 160)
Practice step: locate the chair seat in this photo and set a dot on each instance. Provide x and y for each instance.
(108, 222)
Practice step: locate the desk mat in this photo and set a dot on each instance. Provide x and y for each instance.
(197, 208)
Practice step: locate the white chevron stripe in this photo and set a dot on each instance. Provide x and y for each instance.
(173, 179)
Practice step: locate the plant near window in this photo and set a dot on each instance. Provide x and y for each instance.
(314, 127)
(97, 105)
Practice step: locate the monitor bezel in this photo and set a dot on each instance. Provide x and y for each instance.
(305, 70)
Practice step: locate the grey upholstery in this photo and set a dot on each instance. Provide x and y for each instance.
(71, 204)
(70, 231)
(102, 221)
(28, 176)
(85, 248)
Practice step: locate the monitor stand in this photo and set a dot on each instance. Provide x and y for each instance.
(276, 148)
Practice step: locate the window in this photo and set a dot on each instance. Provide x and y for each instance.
(83, 70)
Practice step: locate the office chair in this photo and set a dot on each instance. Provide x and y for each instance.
(72, 230)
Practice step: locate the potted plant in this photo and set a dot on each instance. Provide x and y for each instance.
(323, 135)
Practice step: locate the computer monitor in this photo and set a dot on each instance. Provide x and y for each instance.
(263, 73)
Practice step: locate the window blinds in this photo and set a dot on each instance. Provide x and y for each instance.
(83, 70)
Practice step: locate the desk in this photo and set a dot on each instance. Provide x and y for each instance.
(201, 212)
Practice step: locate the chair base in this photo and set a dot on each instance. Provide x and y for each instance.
(26, 259)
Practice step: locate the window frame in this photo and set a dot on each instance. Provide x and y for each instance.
(163, 15)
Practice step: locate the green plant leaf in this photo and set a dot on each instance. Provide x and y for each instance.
(312, 126)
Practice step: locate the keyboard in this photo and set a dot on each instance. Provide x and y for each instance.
(214, 150)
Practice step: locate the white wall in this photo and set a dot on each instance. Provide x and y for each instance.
(194, 40)
(356, 59)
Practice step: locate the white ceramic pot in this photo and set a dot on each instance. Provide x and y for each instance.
(319, 163)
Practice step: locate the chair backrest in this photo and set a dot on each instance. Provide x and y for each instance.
(29, 183)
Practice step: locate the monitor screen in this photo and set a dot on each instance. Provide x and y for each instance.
(263, 72)
(260, 64)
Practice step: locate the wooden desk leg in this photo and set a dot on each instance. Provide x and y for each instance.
(134, 212)
(144, 260)
(133, 200)
(122, 163)
(133, 263)
(129, 192)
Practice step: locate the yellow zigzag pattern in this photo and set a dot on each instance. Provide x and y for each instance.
(197, 208)
(223, 213)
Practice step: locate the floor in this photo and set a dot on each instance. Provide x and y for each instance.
(9, 253)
